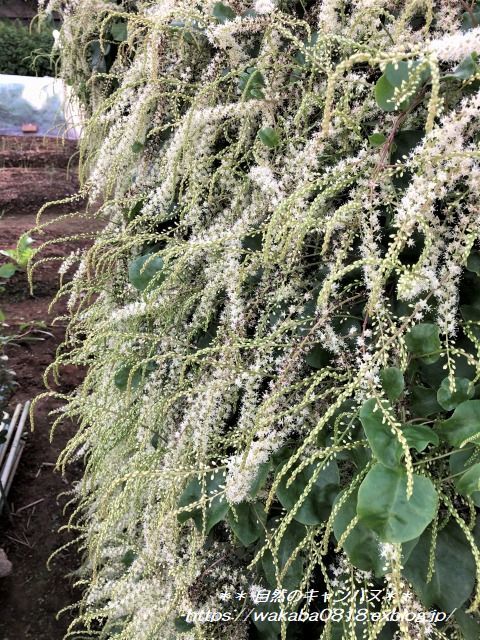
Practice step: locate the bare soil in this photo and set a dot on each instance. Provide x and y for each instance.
(33, 594)
(25, 151)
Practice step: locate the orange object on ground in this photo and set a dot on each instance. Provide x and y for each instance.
(29, 127)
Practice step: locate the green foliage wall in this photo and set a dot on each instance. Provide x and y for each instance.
(280, 319)
(24, 51)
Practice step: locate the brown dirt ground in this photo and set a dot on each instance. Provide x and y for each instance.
(22, 151)
(32, 595)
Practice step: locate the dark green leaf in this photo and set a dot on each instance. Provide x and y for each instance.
(122, 376)
(215, 508)
(384, 93)
(469, 625)
(463, 426)
(405, 142)
(97, 56)
(469, 482)
(318, 357)
(128, 558)
(251, 83)
(471, 315)
(182, 626)
(137, 147)
(383, 505)
(292, 538)
(267, 629)
(377, 139)
(223, 13)
(471, 20)
(432, 375)
(7, 270)
(454, 576)
(260, 478)
(464, 390)
(269, 137)
(278, 313)
(462, 461)
(392, 382)
(394, 76)
(423, 341)
(468, 67)
(135, 210)
(253, 242)
(399, 72)
(190, 32)
(423, 401)
(247, 521)
(385, 445)
(306, 318)
(420, 436)
(206, 338)
(144, 269)
(118, 29)
(316, 507)
(473, 262)
(283, 454)
(361, 546)
(348, 327)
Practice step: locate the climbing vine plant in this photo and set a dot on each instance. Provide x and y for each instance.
(280, 320)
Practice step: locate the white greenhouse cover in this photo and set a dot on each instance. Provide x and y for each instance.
(44, 102)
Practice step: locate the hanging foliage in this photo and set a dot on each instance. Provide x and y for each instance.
(280, 320)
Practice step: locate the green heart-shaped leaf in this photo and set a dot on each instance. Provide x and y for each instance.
(377, 139)
(215, 508)
(144, 269)
(469, 625)
(247, 521)
(463, 460)
(118, 30)
(316, 507)
(423, 401)
(385, 445)
(122, 376)
(269, 137)
(7, 270)
(469, 482)
(463, 426)
(420, 436)
(392, 382)
(292, 538)
(423, 341)
(449, 399)
(384, 95)
(251, 84)
(454, 569)
(473, 262)
(383, 505)
(223, 13)
(361, 545)
(467, 68)
(318, 357)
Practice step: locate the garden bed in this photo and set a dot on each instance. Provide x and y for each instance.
(32, 595)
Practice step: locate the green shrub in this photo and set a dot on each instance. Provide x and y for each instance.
(281, 319)
(24, 51)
